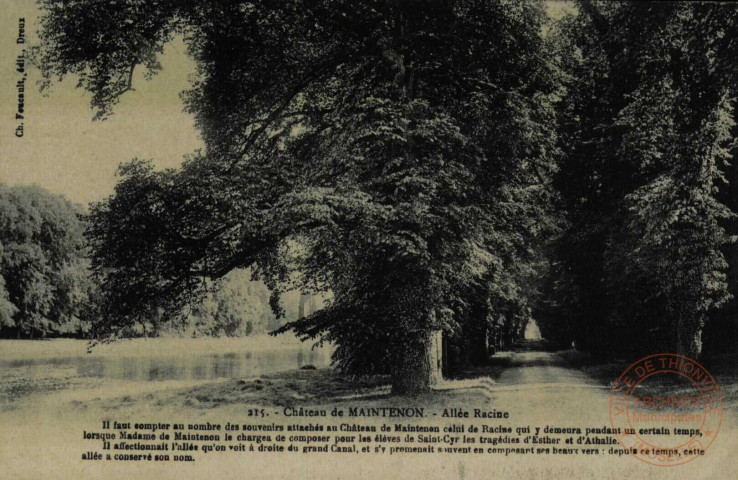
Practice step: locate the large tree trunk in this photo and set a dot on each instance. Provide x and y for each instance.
(418, 363)
(419, 368)
(688, 336)
(479, 348)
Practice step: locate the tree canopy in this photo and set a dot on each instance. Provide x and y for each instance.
(402, 146)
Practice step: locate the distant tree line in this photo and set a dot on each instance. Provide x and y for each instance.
(238, 306)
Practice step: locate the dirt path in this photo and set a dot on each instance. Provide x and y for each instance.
(543, 389)
(542, 369)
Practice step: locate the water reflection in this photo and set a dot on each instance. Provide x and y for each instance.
(192, 367)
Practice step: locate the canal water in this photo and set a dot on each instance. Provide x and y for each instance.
(155, 360)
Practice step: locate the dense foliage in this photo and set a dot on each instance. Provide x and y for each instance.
(646, 128)
(44, 273)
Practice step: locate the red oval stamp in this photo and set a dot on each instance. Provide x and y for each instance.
(666, 409)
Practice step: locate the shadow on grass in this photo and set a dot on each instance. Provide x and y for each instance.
(723, 368)
(314, 387)
(496, 364)
(321, 387)
(501, 361)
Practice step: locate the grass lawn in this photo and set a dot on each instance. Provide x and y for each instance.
(723, 368)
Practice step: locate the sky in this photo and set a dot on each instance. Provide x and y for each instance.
(62, 149)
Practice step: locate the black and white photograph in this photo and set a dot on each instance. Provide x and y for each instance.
(392, 239)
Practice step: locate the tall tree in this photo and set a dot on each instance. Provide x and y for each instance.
(400, 144)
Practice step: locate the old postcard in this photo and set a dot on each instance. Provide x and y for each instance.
(340, 239)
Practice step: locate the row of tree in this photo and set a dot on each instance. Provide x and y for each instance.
(647, 130)
(452, 166)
